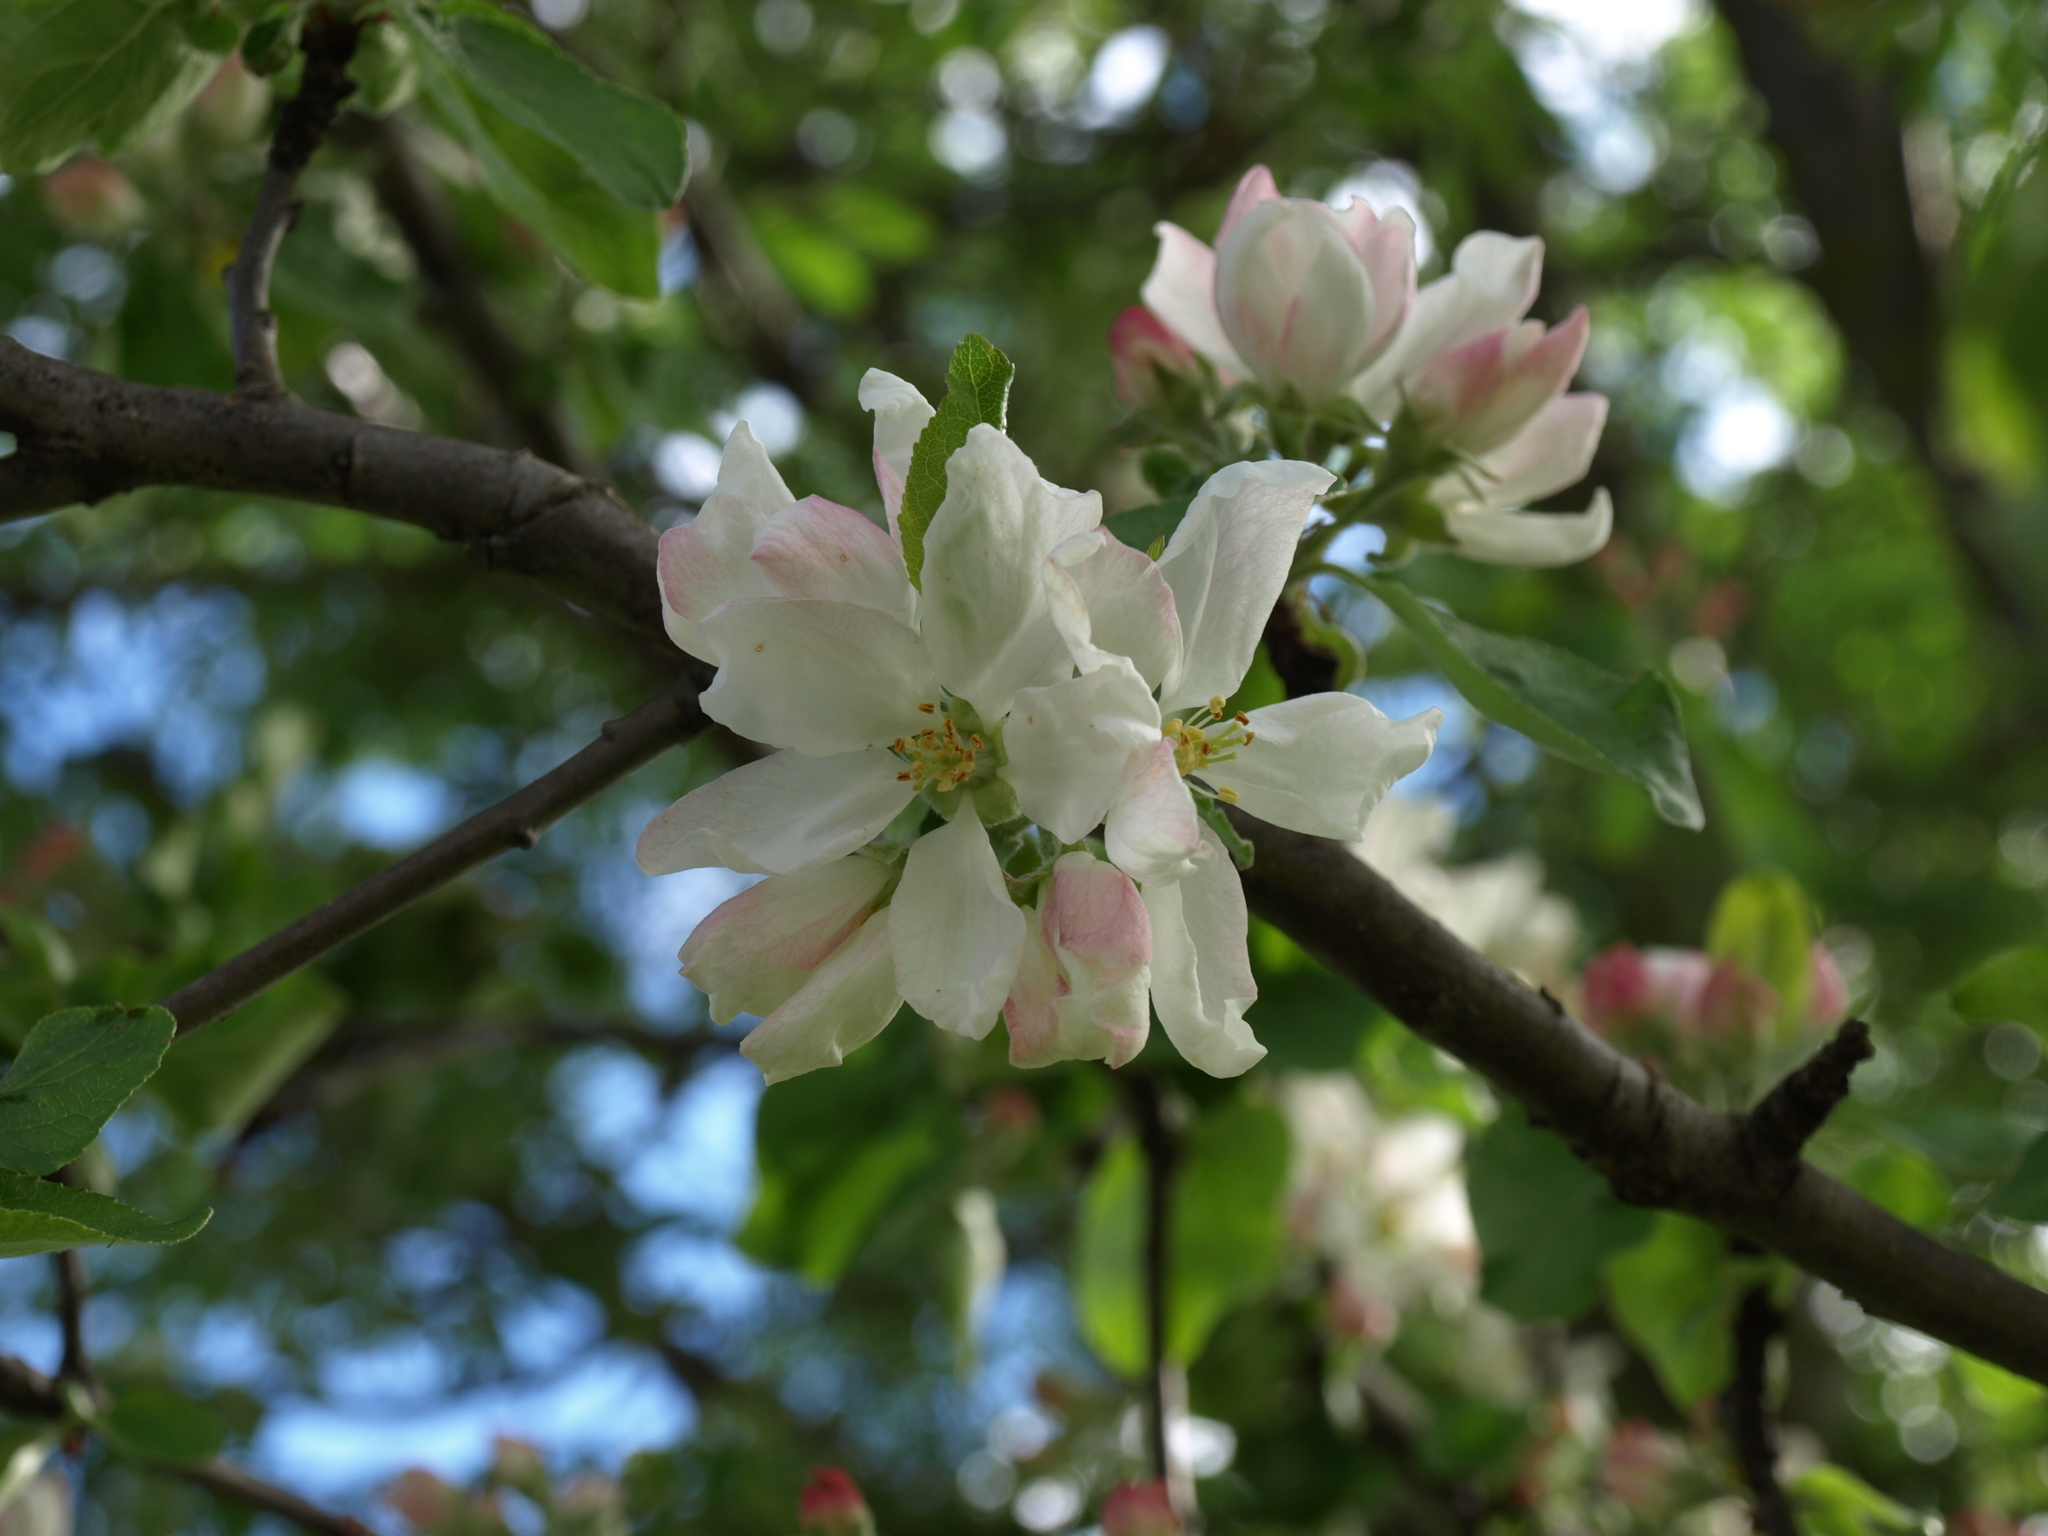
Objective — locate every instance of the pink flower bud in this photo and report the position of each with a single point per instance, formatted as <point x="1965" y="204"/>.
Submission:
<point x="424" y="1499"/>
<point x="1477" y="397"/>
<point x="1081" y="990"/>
<point x="1616" y="989"/>
<point x="831" y="1505"/>
<point x="1827" y="995"/>
<point x="1640" y="1464"/>
<point x="1733" y="1006"/>
<point x="1142" y="348"/>
<point x="91" y="196"/>
<point x="1139" y="1509"/>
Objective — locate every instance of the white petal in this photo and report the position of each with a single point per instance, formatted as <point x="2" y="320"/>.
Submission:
<point x="1108" y="598"/>
<point x="1182" y="292"/>
<point x="784" y="813"/>
<point x="1492" y="282"/>
<point x="817" y="548"/>
<point x="1070" y="746"/>
<point x="957" y="934"/>
<point x="1553" y="451"/>
<point x="900" y="417"/>
<point x="1294" y="298"/>
<point x="1534" y="539"/>
<point x="1201" y="975"/>
<point x="1152" y="832"/>
<point x="1319" y="764"/>
<point x="847" y="1002"/>
<point x="819" y="676"/>
<point x="755" y="952"/>
<point x="704" y="562"/>
<point x="1226" y="564"/>
<point x="984" y="609"/>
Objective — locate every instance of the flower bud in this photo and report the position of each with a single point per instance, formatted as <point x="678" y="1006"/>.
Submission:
<point x="831" y="1505"/>
<point x="1294" y="298"/>
<point x="1640" y="1466"/>
<point x="1475" y="398"/>
<point x="1145" y="352"/>
<point x="1139" y="1509"/>
<point x="426" y="1502"/>
<point x="1827" y="995"/>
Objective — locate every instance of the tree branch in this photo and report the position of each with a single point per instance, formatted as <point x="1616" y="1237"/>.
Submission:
<point x="514" y="822"/>
<point x="328" y="44"/>
<point x="1156" y="1142"/>
<point x="1654" y="1145"/>
<point x="26" y="1390"/>
<point x="72" y="1290"/>
<point x="82" y="436"/>
<point x="1785" y="1121"/>
<point x="1746" y="1410"/>
<point x="456" y="303"/>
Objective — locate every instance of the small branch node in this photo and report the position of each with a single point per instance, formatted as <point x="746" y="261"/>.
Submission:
<point x="1785" y="1121"/>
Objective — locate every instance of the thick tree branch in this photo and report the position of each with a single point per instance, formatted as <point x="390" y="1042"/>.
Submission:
<point x="27" y="1391"/>
<point x="84" y="436"/>
<point x="455" y="300"/>
<point x="328" y="43"/>
<point x="514" y="822"/>
<point x="1655" y="1146"/>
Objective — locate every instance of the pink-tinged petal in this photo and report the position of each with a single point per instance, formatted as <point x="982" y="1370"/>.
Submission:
<point x="900" y="417"/>
<point x="1142" y="347"/>
<point x="817" y="548"/>
<point x="819" y="676"/>
<point x="1294" y="298"/>
<point x="1226" y="564"/>
<point x="1111" y="600"/>
<point x="1827" y="996"/>
<point x="1491" y="284"/>
<point x="704" y="562"/>
<point x="1070" y="746"/>
<point x="1139" y="1509"/>
<point x="985" y="617"/>
<point x="779" y="815"/>
<point x="755" y="952"/>
<point x="1152" y="832"/>
<point x="1201" y="974"/>
<point x="1733" y="1005"/>
<point x="1615" y="991"/>
<point x="1320" y="763"/>
<point x="1182" y="292"/>
<point x="1256" y="186"/>
<point x="957" y="935"/>
<point x="1389" y="257"/>
<point x="1457" y="384"/>
<point x="1028" y="1012"/>
<point x="848" y="1001"/>
<point x="1535" y="367"/>
<point x="1678" y="983"/>
<point x="1093" y="914"/>
<point x="1533" y="540"/>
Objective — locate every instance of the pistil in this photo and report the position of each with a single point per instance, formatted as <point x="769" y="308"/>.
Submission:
<point x="937" y="758"/>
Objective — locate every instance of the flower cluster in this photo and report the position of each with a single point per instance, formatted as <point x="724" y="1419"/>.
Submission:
<point x="1316" y="310"/>
<point x="995" y="789"/>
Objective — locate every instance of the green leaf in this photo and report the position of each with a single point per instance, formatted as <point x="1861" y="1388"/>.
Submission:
<point x="103" y="72"/>
<point x="40" y="1217"/>
<point x="216" y="1079"/>
<point x="1566" y="706"/>
<point x="1546" y="1221"/>
<point x="1674" y="1298"/>
<point x="1763" y="923"/>
<point x="977" y="393"/>
<point x="1224" y="1235"/>
<point x="547" y="189"/>
<point x="73" y="1071"/>
<point x="634" y="147"/>
<point x="2009" y="986"/>
<point x="156" y="1424"/>
<point x="2024" y="1195"/>
<point x="1904" y="1183"/>
<point x="1142" y="527"/>
<point x="1835" y="1502"/>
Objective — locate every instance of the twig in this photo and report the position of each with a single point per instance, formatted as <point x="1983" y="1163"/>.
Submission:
<point x="1746" y="1411"/>
<point x="1652" y="1143"/>
<point x="1785" y="1121"/>
<point x="26" y="1390"/>
<point x="456" y="301"/>
<point x="328" y="43"/>
<point x="514" y="822"/>
<point x="1156" y="1142"/>
<point x="72" y="1291"/>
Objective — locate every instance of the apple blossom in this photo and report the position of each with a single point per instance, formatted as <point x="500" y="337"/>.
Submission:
<point x="1083" y="983"/>
<point x="1143" y="351"/>
<point x="1294" y="294"/>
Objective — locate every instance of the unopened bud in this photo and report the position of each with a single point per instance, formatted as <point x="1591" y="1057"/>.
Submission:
<point x="1139" y="1509"/>
<point x="831" y="1505"/>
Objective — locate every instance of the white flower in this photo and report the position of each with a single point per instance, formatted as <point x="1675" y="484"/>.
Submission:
<point x="1294" y="294"/>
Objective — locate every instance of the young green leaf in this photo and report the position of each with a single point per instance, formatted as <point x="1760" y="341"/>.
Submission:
<point x="547" y="189"/>
<point x="155" y="1424"/>
<point x="1674" y="1297"/>
<point x="216" y="1079"/>
<point x="1546" y="1222"/>
<point x="633" y="146"/>
<point x="1566" y="706"/>
<point x="2024" y="1195"/>
<point x="73" y="1071"/>
<point x="103" y="72"/>
<point x="37" y="1216"/>
<point x="1109" y="1259"/>
<point x="1149" y="525"/>
<point x="1764" y="924"/>
<point x="977" y="393"/>
<point x="2009" y="986"/>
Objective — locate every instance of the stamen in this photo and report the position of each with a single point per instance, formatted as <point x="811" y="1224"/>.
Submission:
<point x="928" y="709"/>
<point x="1226" y="794"/>
<point x="1216" y="706"/>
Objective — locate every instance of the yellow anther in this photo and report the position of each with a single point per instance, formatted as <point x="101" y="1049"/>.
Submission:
<point x="928" y="709"/>
<point x="1226" y="794"/>
<point x="1216" y="705"/>
<point x="1242" y="718"/>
